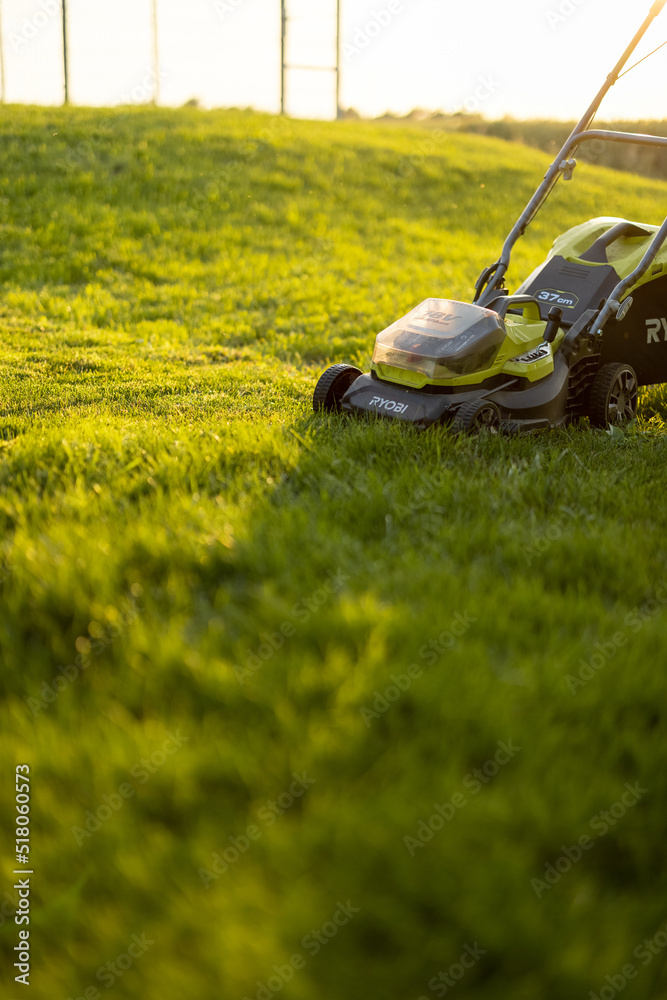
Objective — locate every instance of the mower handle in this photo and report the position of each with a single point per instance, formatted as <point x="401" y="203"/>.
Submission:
<point x="508" y="302"/>
<point x="614" y="305"/>
<point x="491" y="280"/>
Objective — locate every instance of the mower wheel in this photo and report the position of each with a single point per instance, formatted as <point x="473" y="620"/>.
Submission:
<point x="332" y="386"/>
<point x="613" y="396"/>
<point x="477" y="415"/>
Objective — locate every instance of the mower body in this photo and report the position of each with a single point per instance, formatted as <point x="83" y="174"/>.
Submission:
<point x="577" y="337"/>
<point x="444" y="353"/>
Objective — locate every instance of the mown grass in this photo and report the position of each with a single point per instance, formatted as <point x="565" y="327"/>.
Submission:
<point x="171" y="510"/>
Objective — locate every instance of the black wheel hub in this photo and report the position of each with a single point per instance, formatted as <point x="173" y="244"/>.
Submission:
<point x="622" y="403"/>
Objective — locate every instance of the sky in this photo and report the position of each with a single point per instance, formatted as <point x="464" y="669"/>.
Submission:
<point x="522" y="58"/>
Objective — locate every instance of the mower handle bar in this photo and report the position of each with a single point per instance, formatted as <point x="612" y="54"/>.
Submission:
<point x="613" y="306"/>
<point x="491" y="279"/>
<point x="508" y="302"/>
<point x="562" y="165"/>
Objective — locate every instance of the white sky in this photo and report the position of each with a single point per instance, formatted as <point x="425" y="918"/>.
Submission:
<point x="526" y="58"/>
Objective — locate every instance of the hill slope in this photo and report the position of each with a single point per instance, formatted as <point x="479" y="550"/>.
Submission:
<point x="316" y="709"/>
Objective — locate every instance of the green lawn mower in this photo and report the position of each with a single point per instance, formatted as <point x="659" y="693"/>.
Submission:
<point x="576" y="339"/>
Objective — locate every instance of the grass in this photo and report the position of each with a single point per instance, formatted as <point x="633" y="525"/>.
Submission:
<point x="207" y="590"/>
<point x="551" y="135"/>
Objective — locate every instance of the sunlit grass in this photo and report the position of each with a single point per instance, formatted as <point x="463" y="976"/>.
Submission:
<point x="172" y="514"/>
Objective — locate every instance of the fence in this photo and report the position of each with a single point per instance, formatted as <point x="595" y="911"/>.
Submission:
<point x="103" y="52"/>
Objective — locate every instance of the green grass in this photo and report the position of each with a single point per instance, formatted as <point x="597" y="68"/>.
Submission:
<point x="551" y="135"/>
<point x="171" y="510"/>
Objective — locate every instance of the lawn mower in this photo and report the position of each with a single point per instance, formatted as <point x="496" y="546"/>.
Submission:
<point x="576" y="339"/>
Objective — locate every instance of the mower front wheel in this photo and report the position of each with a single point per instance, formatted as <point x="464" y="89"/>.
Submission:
<point x="475" y="416"/>
<point x="332" y="386"/>
<point x="613" y="396"/>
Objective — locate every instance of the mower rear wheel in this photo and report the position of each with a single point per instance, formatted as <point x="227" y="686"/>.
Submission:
<point x="477" y="415"/>
<point x="332" y="386"/>
<point x="613" y="397"/>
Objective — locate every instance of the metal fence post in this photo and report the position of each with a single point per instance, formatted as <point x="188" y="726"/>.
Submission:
<point x="65" y="69"/>
<point x="339" y="110"/>
<point x="283" y="22"/>
<point x="2" y="60"/>
<point x="156" y="56"/>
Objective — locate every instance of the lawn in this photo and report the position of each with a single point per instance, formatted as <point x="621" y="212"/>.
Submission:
<point x="312" y="708"/>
